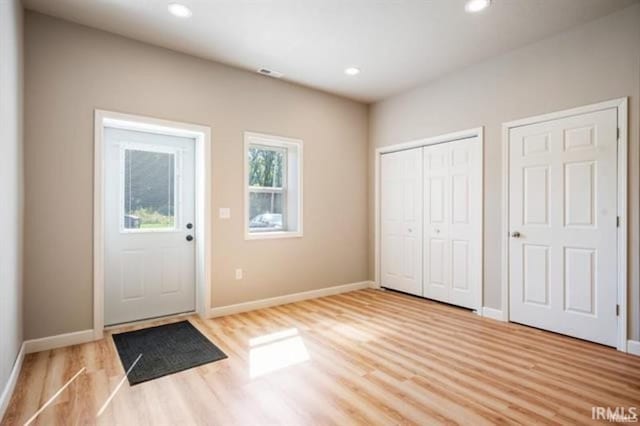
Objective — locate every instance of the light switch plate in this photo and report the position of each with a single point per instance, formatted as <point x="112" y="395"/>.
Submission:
<point x="224" y="213"/>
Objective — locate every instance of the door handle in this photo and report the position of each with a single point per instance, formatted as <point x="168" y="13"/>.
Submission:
<point x="189" y="237"/>
<point x="189" y="225"/>
<point x="515" y="234"/>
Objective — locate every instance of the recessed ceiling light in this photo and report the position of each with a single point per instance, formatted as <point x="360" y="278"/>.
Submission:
<point x="352" y="71"/>
<point x="474" y="6"/>
<point x="179" y="10"/>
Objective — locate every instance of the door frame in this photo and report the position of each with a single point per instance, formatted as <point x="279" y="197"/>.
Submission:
<point x="621" y="105"/>
<point x="203" y="208"/>
<point x="419" y="143"/>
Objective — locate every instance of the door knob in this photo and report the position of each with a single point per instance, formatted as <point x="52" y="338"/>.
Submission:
<point x="189" y="237"/>
<point x="189" y="225"/>
<point x="515" y="234"/>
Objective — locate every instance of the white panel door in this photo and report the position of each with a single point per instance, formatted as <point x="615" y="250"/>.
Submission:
<point x="401" y="220"/>
<point x="562" y="216"/>
<point x="453" y="222"/>
<point x="149" y="225"/>
<point x="437" y="216"/>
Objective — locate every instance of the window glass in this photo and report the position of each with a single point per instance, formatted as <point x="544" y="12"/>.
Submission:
<point x="266" y="166"/>
<point x="149" y="190"/>
<point x="267" y="188"/>
<point x="266" y="211"/>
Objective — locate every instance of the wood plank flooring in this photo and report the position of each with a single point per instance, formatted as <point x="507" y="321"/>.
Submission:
<point x="366" y="357"/>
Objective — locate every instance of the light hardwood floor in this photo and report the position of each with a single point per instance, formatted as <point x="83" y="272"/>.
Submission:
<point x="373" y="358"/>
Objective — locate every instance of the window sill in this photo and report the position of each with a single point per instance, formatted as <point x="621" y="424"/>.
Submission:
<point x="272" y="235"/>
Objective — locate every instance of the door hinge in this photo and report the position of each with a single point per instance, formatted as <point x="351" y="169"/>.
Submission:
<point x="617" y="310"/>
<point x="618" y="133"/>
<point x="617" y="221"/>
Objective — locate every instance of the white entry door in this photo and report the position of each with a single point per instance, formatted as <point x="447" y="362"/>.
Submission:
<point x="562" y="218"/>
<point x="401" y="220"/>
<point x="453" y="222"/>
<point x="149" y="212"/>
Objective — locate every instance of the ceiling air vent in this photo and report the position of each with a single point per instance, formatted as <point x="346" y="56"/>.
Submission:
<point x="270" y="73"/>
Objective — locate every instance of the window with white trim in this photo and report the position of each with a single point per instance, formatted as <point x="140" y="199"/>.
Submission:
<point x="273" y="186"/>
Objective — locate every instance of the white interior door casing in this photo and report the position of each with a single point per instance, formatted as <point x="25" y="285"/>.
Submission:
<point x="149" y="267"/>
<point x="401" y="220"/>
<point x="453" y="222"/>
<point x="562" y="218"/>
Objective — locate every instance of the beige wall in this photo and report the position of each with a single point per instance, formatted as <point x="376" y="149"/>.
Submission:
<point x="70" y="70"/>
<point x="592" y="63"/>
<point x="10" y="186"/>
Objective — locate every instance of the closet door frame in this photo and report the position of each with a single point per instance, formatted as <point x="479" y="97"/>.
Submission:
<point x="477" y="132"/>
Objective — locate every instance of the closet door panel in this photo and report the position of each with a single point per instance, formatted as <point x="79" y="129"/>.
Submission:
<point x="401" y="220"/>
<point x="464" y="228"/>
<point x="437" y="274"/>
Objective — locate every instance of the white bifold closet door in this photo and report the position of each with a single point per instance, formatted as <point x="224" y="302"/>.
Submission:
<point x="453" y="222"/>
<point x="401" y="221"/>
<point x="431" y="221"/>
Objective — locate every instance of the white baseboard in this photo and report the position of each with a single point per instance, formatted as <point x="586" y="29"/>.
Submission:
<point x="10" y="386"/>
<point x="288" y="298"/>
<point x="492" y="313"/>
<point x="58" y="341"/>
<point x="633" y="347"/>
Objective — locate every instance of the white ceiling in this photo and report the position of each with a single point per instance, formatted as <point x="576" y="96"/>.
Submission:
<point x="396" y="43"/>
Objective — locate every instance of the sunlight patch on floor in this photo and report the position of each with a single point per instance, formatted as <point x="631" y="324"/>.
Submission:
<point x="276" y="351"/>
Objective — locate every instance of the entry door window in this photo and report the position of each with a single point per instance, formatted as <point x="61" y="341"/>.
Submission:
<point x="149" y="190"/>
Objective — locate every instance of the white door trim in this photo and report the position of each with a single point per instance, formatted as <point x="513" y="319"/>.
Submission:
<point x="449" y="137"/>
<point x="202" y="136"/>
<point x="621" y="106"/>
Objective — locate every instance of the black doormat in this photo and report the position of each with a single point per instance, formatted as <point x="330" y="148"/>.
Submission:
<point x="165" y="349"/>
